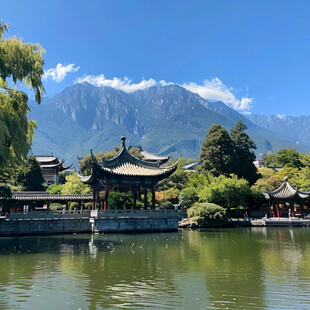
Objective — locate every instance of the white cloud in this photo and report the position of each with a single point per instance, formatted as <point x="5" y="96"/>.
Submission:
<point x="59" y="73"/>
<point x="210" y="89"/>
<point x="216" y="90"/>
<point x="124" y="84"/>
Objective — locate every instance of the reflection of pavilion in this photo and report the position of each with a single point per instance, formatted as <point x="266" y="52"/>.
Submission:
<point x="286" y="193"/>
<point x="126" y="172"/>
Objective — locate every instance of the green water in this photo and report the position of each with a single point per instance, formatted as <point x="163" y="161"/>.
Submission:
<point x="254" y="268"/>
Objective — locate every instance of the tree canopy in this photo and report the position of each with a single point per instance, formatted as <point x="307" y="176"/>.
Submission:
<point x="243" y="153"/>
<point x="216" y="153"/>
<point x="74" y="185"/>
<point x="20" y="63"/>
<point x="29" y="175"/>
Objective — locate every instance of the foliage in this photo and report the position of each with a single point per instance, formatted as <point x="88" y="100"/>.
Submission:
<point x="74" y="185"/>
<point x="243" y="154"/>
<point x="228" y="192"/>
<point x="177" y="180"/>
<point x="120" y="200"/>
<point x="20" y="63"/>
<point x="188" y="197"/>
<point x="5" y="191"/>
<point x="29" y="175"/>
<point x="74" y="205"/>
<point x="54" y="189"/>
<point x="167" y="205"/>
<point x="287" y="157"/>
<point x="271" y="160"/>
<point x="216" y="153"/>
<point x="207" y="212"/>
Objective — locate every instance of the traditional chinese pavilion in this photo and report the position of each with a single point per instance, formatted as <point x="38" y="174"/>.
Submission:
<point x="50" y="166"/>
<point x="126" y="172"/>
<point x="286" y="193"/>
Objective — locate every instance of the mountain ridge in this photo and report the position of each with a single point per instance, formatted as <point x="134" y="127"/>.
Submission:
<point x="166" y="119"/>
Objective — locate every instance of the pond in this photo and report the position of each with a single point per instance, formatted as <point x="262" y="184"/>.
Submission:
<point x="245" y="268"/>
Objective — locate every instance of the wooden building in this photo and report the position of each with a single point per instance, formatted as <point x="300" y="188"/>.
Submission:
<point x="125" y="172"/>
<point x="285" y="198"/>
<point x="50" y="167"/>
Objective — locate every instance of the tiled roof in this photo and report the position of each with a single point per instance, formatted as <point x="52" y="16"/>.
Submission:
<point x="286" y="191"/>
<point x="150" y="156"/>
<point x="45" y="159"/>
<point x="126" y="165"/>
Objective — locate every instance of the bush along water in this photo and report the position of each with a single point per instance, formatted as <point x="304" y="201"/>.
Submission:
<point x="207" y="214"/>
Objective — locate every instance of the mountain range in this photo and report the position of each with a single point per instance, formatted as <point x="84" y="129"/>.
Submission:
<point x="163" y="120"/>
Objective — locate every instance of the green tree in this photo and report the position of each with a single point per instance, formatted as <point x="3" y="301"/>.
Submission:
<point x="20" y="63"/>
<point x="188" y="197"/>
<point x="216" y="153"/>
<point x="228" y="192"/>
<point x="243" y="153"/>
<point x="74" y="185"/>
<point x="271" y="160"/>
<point x="290" y="158"/>
<point x="120" y="200"/>
<point x="29" y="176"/>
<point x="54" y="189"/>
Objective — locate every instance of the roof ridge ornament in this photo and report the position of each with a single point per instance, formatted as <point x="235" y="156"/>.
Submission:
<point x="123" y="138"/>
<point x="285" y="179"/>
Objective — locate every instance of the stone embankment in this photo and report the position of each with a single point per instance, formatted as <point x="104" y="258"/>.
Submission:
<point x="240" y="222"/>
<point x="97" y="221"/>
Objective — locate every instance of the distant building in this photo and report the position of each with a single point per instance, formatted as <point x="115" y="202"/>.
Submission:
<point x="50" y="166"/>
<point x="153" y="158"/>
<point x="190" y="167"/>
<point x="259" y="162"/>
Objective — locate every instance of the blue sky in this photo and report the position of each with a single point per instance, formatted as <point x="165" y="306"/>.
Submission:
<point x="253" y="55"/>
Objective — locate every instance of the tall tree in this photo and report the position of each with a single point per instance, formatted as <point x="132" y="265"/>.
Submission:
<point x="243" y="153"/>
<point x="20" y="63"/>
<point x="30" y="175"/>
<point x="216" y="153"/>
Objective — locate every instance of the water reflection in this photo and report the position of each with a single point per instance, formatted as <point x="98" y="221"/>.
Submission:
<point x="218" y="269"/>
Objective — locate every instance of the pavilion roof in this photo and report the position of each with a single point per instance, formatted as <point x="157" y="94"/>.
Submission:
<point x="286" y="191"/>
<point x="153" y="157"/>
<point x="124" y="165"/>
<point x="51" y="162"/>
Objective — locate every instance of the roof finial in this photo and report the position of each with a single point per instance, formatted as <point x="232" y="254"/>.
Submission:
<point x="123" y="141"/>
<point x="285" y="179"/>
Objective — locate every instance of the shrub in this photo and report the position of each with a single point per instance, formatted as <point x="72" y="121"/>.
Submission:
<point x="74" y="205"/>
<point x="120" y="200"/>
<point x="167" y="205"/>
<point x="207" y="213"/>
<point x="88" y="205"/>
<point x="188" y="197"/>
